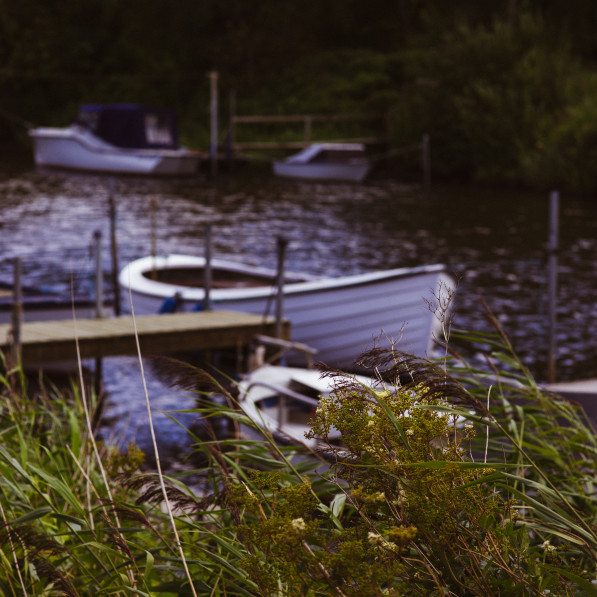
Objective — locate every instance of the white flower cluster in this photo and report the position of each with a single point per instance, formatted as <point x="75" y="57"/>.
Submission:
<point x="548" y="547"/>
<point x="298" y="524"/>
<point x="378" y="541"/>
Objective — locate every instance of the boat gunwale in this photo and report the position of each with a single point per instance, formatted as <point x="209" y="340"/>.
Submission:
<point x="151" y="288"/>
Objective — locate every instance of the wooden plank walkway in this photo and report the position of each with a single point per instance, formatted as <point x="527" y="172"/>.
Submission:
<point x="51" y="341"/>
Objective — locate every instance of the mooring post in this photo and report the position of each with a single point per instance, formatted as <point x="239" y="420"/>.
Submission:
<point x="426" y="158"/>
<point x="554" y="204"/>
<point x="99" y="283"/>
<point x="308" y="127"/>
<point x="114" y="249"/>
<point x="231" y="128"/>
<point x="282" y="244"/>
<point x="99" y="300"/>
<point x="207" y="270"/>
<point x="213" y="110"/>
<point x="17" y="310"/>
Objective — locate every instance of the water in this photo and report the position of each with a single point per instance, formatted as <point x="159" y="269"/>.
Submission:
<point x="493" y="240"/>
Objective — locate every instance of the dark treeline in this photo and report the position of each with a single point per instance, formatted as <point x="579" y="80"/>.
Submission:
<point x="506" y="89"/>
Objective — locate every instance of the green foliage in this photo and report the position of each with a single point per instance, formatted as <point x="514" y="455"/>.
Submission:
<point x="505" y="90"/>
<point x="449" y="480"/>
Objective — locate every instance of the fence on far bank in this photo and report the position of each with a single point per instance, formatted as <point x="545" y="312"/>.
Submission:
<point x="377" y="122"/>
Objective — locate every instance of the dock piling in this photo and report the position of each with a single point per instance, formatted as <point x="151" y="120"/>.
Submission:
<point x="17" y="311"/>
<point x="282" y="244"/>
<point x="554" y="202"/>
<point x="99" y="282"/>
<point x="207" y="270"/>
<point x="114" y="249"/>
<point x="213" y="110"/>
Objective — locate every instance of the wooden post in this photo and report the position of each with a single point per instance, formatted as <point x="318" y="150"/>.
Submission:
<point x="114" y="250"/>
<point x="99" y="282"/>
<point x="426" y="158"/>
<point x="554" y="200"/>
<point x="213" y="111"/>
<point x="153" y="235"/>
<point x="17" y="311"/>
<point x="152" y="224"/>
<point x="282" y="244"/>
<point x="207" y="270"/>
<point x="308" y="126"/>
<point x="231" y="128"/>
<point x="99" y="300"/>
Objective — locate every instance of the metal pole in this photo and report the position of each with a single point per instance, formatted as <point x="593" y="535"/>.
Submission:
<point x="99" y="285"/>
<point x="282" y="244"/>
<point x="213" y="110"/>
<point x="207" y="270"/>
<point x="17" y="310"/>
<point x="554" y="200"/>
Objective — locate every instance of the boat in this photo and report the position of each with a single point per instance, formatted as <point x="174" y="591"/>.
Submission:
<point x="326" y="161"/>
<point x="282" y="401"/>
<point x="116" y="138"/>
<point x="339" y="317"/>
<point x="39" y="304"/>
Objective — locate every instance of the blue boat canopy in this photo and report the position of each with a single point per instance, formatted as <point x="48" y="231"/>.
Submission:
<point x="131" y="126"/>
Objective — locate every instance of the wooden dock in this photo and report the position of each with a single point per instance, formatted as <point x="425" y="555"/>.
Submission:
<point x="51" y="341"/>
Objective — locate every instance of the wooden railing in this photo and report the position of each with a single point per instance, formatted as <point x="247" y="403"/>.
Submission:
<point x="308" y="120"/>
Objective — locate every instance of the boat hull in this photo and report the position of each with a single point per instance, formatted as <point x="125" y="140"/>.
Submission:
<point x="51" y="308"/>
<point x="347" y="172"/>
<point x="75" y="148"/>
<point x="340" y="317"/>
<point x="326" y="161"/>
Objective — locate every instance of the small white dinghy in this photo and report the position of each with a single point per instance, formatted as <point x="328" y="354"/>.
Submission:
<point x="326" y="161"/>
<point x="282" y="400"/>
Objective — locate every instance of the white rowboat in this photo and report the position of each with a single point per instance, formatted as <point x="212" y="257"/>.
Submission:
<point x="339" y="317"/>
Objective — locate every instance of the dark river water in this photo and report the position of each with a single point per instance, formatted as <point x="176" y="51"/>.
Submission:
<point x="494" y="241"/>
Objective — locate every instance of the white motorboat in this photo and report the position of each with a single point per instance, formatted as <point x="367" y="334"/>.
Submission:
<point x="326" y="161"/>
<point x="339" y="317"/>
<point x="116" y="138"/>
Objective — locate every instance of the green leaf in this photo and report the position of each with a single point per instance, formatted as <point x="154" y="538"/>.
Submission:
<point x="149" y="561"/>
<point x="394" y="421"/>
<point x="33" y="515"/>
<point x="337" y="505"/>
<point x="586" y="585"/>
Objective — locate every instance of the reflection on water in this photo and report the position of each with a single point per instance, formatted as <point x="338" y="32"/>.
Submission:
<point x="493" y="241"/>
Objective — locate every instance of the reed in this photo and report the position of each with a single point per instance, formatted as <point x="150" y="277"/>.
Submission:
<point x="452" y="479"/>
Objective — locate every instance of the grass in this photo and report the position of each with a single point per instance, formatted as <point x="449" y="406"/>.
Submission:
<point x="464" y="480"/>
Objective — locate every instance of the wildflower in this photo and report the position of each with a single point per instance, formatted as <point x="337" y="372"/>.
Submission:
<point x="375" y="538"/>
<point x="368" y="498"/>
<point x="410" y="432"/>
<point x="378" y="541"/>
<point x="381" y="393"/>
<point x="548" y="547"/>
<point x="298" y="524"/>
<point x="402" y="535"/>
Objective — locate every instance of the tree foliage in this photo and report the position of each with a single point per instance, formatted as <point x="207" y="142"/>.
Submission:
<point x="500" y="87"/>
